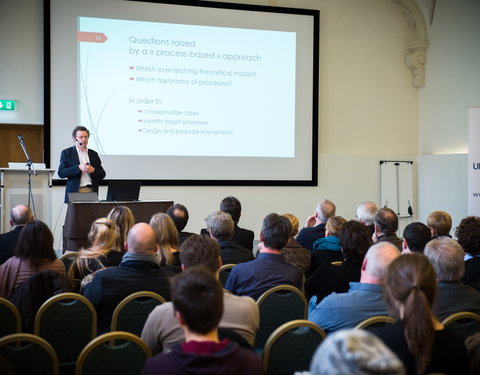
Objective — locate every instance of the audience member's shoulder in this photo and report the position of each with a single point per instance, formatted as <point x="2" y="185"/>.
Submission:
<point x="243" y="266"/>
<point x="162" y="309"/>
<point x="246" y="301"/>
<point x="246" y="232"/>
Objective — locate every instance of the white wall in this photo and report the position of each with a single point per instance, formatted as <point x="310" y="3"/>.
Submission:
<point x="368" y="110"/>
<point x="21" y="60"/>
<point x="452" y="84"/>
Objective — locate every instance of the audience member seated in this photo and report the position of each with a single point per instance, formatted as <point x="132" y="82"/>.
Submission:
<point x="354" y="352"/>
<point x="197" y="298"/>
<point x="385" y="222"/>
<point x="415" y="237"/>
<point x="243" y="237"/>
<point x="19" y="216"/>
<point x="439" y="223"/>
<point x="220" y="227"/>
<point x="365" y="213"/>
<point x="269" y="269"/>
<point x="330" y="242"/>
<point x="138" y="271"/>
<point x="33" y="253"/>
<point x="99" y="255"/>
<point x="179" y="214"/>
<point x="421" y="342"/>
<point x="240" y="314"/>
<point x="468" y="235"/>
<point x="314" y="227"/>
<point x="364" y="299"/>
<point x="167" y="239"/>
<point x="123" y="218"/>
<point x="446" y="257"/>
<point x="355" y="240"/>
<point x="327" y="249"/>
<point x="293" y="252"/>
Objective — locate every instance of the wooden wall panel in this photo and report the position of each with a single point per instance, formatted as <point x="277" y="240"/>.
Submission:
<point x="10" y="149"/>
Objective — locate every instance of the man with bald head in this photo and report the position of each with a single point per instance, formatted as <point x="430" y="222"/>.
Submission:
<point x="139" y="270"/>
<point x="364" y="299"/>
<point x="19" y="216"/>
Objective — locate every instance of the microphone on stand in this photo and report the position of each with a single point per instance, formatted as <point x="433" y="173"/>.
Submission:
<point x="409" y="209"/>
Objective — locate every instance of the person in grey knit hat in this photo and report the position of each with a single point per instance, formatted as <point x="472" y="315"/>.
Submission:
<point x="354" y="352"/>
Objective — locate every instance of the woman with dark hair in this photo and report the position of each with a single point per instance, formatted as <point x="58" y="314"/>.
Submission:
<point x="422" y="343"/>
<point x="99" y="255"/>
<point x="355" y="239"/>
<point x="123" y="218"/>
<point x="468" y="235"/>
<point x="33" y="253"/>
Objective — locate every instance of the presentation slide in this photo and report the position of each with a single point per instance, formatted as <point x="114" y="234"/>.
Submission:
<point x="185" y="93"/>
<point x="199" y="90"/>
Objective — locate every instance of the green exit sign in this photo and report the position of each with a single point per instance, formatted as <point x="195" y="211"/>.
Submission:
<point x="7" y="105"/>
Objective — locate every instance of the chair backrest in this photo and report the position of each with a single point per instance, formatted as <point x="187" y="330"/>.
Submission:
<point x="224" y="272"/>
<point x="291" y="346"/>
<point x="375" y="321"/>
<point x="10" y="320"/>
<point x="464" y="323"/>
<point x="113" y="353"/>
<point x="132" y="312"/>
<point x="68" y="258"/>
<point x="279" y="305"/>
<point x="29" y="354"/>
<point x="31" y="294"/>
<point x="68" y="321"/>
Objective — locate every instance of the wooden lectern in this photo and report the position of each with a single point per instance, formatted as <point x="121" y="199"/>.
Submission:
<point x="81" y="215"/>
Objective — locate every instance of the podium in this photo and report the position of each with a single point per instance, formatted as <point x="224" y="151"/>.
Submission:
<point x="14" y="191"/>
<point x="81" y="215"/>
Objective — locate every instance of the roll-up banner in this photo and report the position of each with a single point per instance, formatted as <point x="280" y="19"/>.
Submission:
<point x="474" y="160"/>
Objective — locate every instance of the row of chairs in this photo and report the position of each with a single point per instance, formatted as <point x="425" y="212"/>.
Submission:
<point x="129" y="315"/>
<point x="277" y="306"/>
<point x="289" y="348"/>
<point x="70" y="334"/>
<point x="110" y="353"/>
<point x="68" y="321"/>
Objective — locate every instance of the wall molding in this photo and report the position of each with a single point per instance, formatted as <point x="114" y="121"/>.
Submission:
<point x="417" y="47"/>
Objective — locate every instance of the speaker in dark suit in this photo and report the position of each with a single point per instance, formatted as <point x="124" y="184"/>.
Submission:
<point x="81" y="166"/>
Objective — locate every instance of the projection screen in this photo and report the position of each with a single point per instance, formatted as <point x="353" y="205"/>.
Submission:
<point x="199" y="93"/>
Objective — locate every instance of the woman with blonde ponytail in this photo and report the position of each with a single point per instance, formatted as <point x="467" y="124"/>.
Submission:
<point x="123" y="218"/>
<point x="99" y="255"/>
<point x="418" y="338"/>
